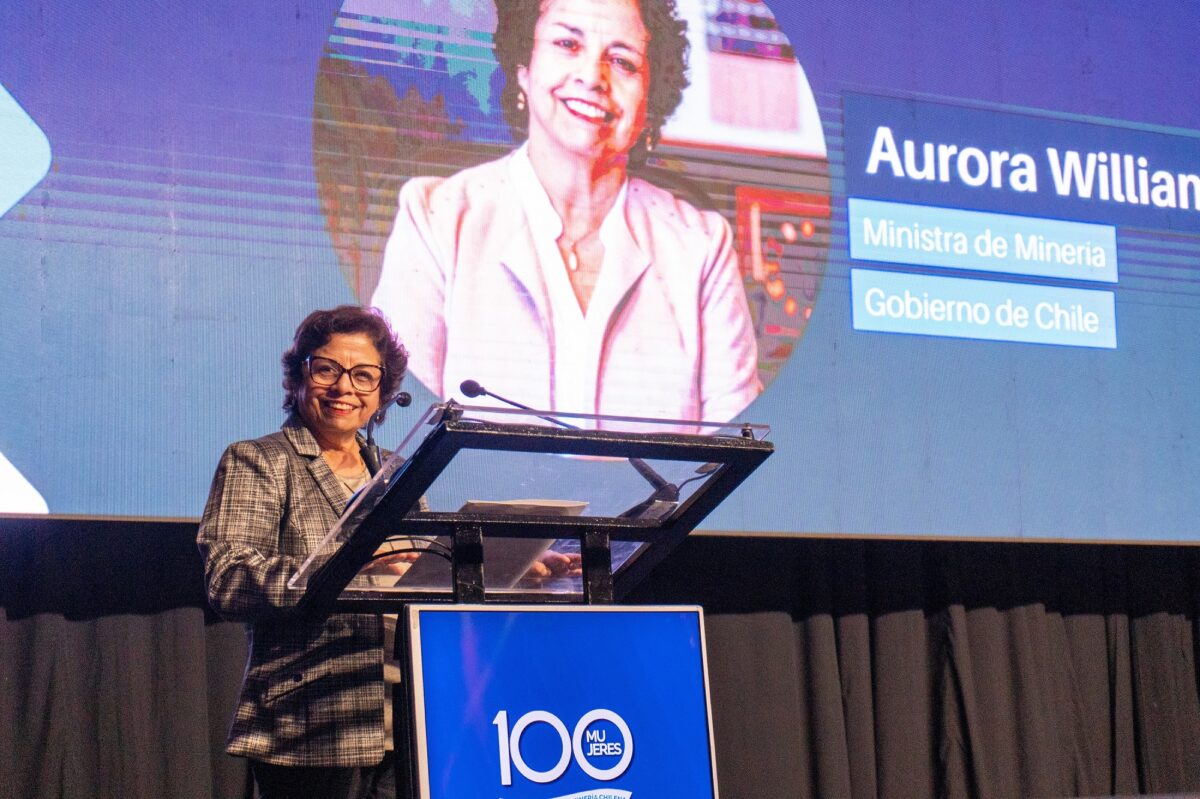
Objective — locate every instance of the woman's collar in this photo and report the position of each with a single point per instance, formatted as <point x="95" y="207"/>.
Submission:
<point x="545" y="221"/>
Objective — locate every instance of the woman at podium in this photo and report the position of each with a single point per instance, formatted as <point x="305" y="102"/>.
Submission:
<point x="311" y="712"/>
<point x="554" y="276"/>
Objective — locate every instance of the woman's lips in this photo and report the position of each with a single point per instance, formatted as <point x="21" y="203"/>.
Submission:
<point x="589" y="112"/>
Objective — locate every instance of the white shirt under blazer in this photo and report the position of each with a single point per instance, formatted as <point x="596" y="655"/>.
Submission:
<point x="474" y="285"/>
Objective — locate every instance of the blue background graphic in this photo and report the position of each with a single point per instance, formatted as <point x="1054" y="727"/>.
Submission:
<point x="150" y="282"/>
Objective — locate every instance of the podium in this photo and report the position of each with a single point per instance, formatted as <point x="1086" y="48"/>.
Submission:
<point x="482" y="496"/>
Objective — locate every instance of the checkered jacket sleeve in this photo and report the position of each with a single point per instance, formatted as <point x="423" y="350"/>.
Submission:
<point x="248" y="555"/>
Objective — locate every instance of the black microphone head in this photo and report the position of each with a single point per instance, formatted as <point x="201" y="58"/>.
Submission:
<point x="403" y="399"/>
<point x="471" y="389"/>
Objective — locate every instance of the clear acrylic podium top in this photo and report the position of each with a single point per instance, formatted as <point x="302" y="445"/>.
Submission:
<point x="533" y="482"/>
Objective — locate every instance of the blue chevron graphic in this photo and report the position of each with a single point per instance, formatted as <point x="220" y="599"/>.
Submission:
<point x="24" y="152"/>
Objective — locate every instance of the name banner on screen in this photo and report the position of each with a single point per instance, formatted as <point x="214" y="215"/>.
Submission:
<point x="922" y="235"/>
<point x="946" y="155"/>
<point x="930" y="305"/>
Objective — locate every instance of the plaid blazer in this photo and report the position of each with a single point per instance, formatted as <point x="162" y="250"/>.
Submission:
<point x="312" y="694"/>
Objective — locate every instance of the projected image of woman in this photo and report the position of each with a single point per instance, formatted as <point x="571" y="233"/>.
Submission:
<point x="553" y="276"/>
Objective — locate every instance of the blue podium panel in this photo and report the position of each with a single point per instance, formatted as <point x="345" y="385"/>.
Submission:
<point x="536" y="702"/>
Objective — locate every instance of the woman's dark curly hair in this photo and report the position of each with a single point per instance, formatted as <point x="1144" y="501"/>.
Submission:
<point x="666" y="56"/>
<point x="316" y="330"/>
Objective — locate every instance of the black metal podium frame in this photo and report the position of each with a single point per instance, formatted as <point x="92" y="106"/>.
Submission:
<point x="732" y="459"/>
<point x="399" y="487"/>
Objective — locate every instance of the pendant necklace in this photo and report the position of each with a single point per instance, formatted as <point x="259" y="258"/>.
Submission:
<point x="572" y="254"/>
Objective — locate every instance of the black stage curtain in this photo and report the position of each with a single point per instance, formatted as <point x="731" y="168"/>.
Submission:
<point x="117" y="682"/>
<point x="849" y="668"/>
<point x="838" y="668"/>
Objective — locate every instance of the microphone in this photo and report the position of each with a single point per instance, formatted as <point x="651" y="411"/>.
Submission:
<point x="472" y="389"/>
<point x="663" y="489"/>
<point x="369" y="450"/>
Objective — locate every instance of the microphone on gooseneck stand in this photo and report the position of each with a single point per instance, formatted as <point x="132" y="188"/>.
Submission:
<point x="664" y="490"/>
<point x="370" y="450"/>
<point x="472" y="389"/>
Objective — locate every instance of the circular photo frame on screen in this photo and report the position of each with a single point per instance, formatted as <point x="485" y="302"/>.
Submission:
<point x="588" y="205"/>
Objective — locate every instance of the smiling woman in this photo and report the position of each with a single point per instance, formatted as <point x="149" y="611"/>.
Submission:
<point x="648" y="36"/>
<point x="311" y="715"/>
<point x="551" y="274"/>
<point x="570" y="117"/>
<point x="336" y="401"/>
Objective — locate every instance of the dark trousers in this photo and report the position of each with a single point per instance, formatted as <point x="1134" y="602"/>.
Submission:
<point x="315" y="782"/>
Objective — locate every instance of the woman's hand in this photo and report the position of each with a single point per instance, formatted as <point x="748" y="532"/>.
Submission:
<point x="393" y="563"/>
<point x="555" y="564"/>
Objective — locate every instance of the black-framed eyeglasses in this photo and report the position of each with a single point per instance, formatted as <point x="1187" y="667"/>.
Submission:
<point x="326" y="372"/>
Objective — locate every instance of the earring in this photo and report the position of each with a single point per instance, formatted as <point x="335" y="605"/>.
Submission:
<point x="520" y="101"/>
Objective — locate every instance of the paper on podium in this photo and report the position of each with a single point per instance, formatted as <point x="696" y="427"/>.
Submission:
<point x="525" y="507"/>
<point x="506" y="560"/>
